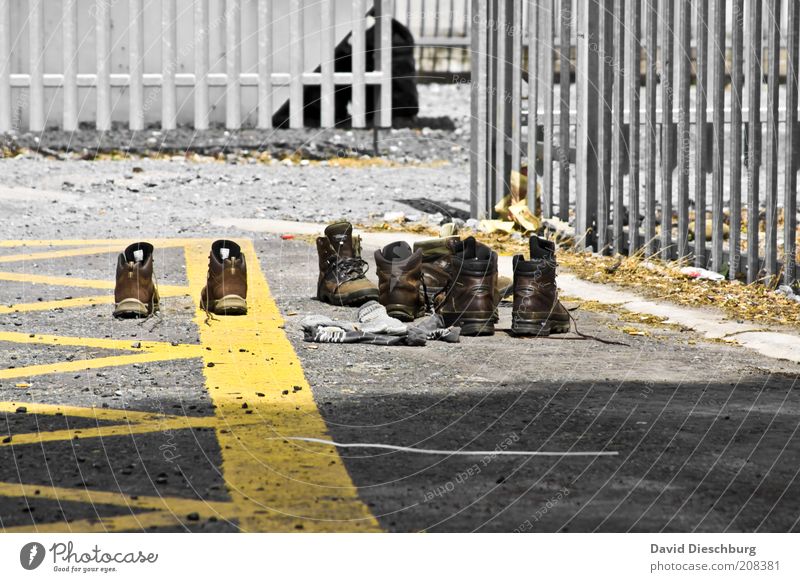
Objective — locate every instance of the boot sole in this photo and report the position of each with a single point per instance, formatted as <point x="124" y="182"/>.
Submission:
<point x="538" y="327"/>
<point x="133" y="309"/>
<point x="354" y="299"/>
<point x="229" y="305"/>
<point x="402" y="313"/>
<point x="471" y="324"/>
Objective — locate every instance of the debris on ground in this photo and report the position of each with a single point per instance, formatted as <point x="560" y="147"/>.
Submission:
<point x="705" y="274"/>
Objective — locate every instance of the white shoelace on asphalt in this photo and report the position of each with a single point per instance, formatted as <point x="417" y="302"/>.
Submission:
<point x="449" y="453"/>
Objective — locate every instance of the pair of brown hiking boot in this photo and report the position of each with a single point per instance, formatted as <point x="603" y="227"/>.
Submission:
<point x="225" y="293"/>
<point x="461" y="278"/>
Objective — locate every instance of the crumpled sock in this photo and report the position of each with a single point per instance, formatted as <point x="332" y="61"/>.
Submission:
<point x="373" y="319"/>
<point x="433" y="328"/>
<point x="336" y="335"/>
<point x="312" y="321"/>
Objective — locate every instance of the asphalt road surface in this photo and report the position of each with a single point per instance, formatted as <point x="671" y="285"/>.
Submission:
<point x="172" y="424"/>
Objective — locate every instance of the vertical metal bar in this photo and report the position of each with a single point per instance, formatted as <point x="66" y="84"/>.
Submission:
<point x="201" y="34"/>
<point x="534" y="71"/>
<point x="383" y="23"/>
<point x="737" y="83"/>
<point x="327" y="47"/>
<point x="5" y="65"/>
<point x="36" y="60"/>
<point x="515" y="31"/>
<point x="667" y="138"/>
<point x="684" y="124"/>
<point x="651" y="81"/>
<point x="479" y="106"/>
<point x="547" y="89"/>
<point x="103" y="57"/>
<point x="774" y="48"/>
<point x="565" y="46"/>
<point x="619" y="144"/>
<point x="69" y="56"/>
<point x="719" y="135"/>
<point x="233" y="88"/>
<point x="296" y="64"/>
<point x="586" y="162"/>
<point x="264" y="64"/>
<point x="701" y="102"/>
<point x="503" y="107"/>
<point x="169" y="58"/>
<point x="358" y="42"/>
<point x="790" y="186"/>
<point x="753" y="138"/>
<point x="492" y="90"/>
<point x="604" y="135"/>
<point x="136" y="65"/>
<point x="634" y="18"/>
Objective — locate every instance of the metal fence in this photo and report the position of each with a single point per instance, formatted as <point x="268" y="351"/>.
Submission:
<point x="63" y="62"/>
<point x="675" y="107"/>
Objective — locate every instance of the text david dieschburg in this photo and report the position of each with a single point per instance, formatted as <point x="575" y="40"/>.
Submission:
<point x="702" y="549"/>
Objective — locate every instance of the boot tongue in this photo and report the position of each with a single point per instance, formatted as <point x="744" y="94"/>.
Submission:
<point x="340" y="236"/>
<point x="541" y="248"/>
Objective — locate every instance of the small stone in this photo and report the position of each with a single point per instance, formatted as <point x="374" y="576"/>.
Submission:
<point x="21" y="410"/>
<point x="210" y="365"/>
<point x="7" y="439"/>
<point x="136" y="345"/>
<point x="194" y="516"/>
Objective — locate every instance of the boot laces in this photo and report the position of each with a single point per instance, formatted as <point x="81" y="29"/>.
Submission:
<point x="348" y="269"/>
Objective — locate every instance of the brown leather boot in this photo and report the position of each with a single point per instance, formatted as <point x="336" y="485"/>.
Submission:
<point x="537" y="310"/>
<point x="437" y="256"/>
<point x="135" y="292"/>
<point x="225" y="292"/>
<point x="470" y="300"/>
<point x="400" y="281"/>
<point x="342" y="271"/>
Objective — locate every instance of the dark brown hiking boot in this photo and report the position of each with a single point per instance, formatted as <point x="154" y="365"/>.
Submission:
<point x="437" y="256"/>
<point x="342" y="271"/>
<point x="537" y="310"/>
<point x="225" y="292"/>
<point x="470" y="300"/>
<point x="400" y="281"/>
<point x="135" y="292"/>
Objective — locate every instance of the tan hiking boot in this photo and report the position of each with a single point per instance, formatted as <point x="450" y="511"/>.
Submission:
<point x="400" y="281"/>
<point x="225" y="292"/>
<point x="135" y="292"/>
<point x="537" y="310"/>
<point x="342" y="271"/>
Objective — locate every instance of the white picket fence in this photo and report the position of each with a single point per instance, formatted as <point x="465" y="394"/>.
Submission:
<point x="193" y="62"/>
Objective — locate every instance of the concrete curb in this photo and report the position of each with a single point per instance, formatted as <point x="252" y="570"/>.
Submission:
<point x="711" y="323"/>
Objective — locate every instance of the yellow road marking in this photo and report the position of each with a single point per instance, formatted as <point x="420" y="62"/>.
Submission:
<point x="93" y="364"/>
<point x="274" y="485"/>
<point x="111" y="430"/>
<point x="120" y="244"/>
<point x="137" y="522"/>
<point x="105" y="414"/>
<point x="179" y="505"/>
<point x="164" y="290"/>
<point x="47" y="255"/>
<point x="57" y="304"/>
<point x="93" y="342"/>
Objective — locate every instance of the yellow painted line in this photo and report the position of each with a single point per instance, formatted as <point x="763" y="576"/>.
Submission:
<point x="125" y="523"/>
<point x="274" y="485"/>
<point x="164" y="290"/>
<point x="47" y="255"/>
<point x="96" y="342"/>
<point x="180" y="505"/>
<point x="111" y="430"/>
<point x="93" y="364"/>
<point x="58" y="304"/>
<point x="110" y="414"/>
<point x="119" y="243"/>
